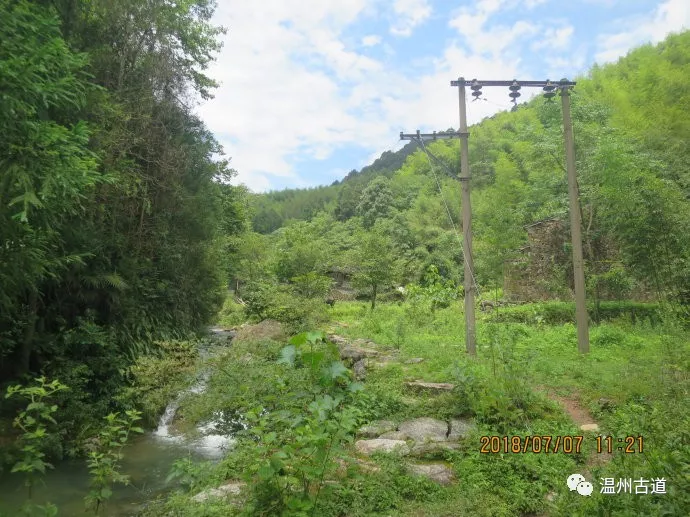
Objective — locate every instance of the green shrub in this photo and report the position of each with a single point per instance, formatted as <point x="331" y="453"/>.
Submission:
<point x="232" y="313"/>
<point x="158" y="377"/>
<point x="556" y="313"/>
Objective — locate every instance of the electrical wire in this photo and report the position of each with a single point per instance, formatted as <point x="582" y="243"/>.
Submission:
<point x="450" y="217"/>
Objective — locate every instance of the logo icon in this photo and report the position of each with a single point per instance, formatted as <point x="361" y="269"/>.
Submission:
<point x="577" y="482"/>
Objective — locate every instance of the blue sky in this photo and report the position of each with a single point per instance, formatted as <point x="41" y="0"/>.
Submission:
<point x="311" y="89"/>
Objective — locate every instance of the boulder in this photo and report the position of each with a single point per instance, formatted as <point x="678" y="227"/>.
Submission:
<point x="368" y="447"/>
<point x="233" y="488"/>
<point x="359" y="370"/>
<point x="439" y="472"/>
<point x="424" y="430"/>
<point x="394" y="435"/>
<point x="435" y="450"/>
<point x="430" y="387"/>
<point x="354" y="351"/>
<point x="459" y="429"/>
<point x="267" y="329"/>
<point x="338" y="340"/>
<point x="376" y="428"/>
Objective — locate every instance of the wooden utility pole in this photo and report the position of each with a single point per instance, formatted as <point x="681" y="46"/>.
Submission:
<point x="549" y="88"/>
<point x="466" y="215"/>
<point x="470" y="338"/>
<point x="575" y="226"/>
<point x="465" y="176"/>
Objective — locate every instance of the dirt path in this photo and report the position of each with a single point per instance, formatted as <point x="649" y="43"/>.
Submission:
<point x="581" y="416"/>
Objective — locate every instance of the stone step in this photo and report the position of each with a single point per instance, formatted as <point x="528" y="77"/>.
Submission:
<point x="430" y="387"/>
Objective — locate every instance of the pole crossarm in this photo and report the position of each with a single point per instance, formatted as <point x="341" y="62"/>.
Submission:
<point x="436" y="135"/>
<point x="536" y="84"/>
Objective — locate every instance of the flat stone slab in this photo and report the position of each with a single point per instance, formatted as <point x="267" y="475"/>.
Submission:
<point x="459" y="429"/>
<point x="435" y="450"/>
<point x="415" y="360"/>
<point x="368" y="466"/>
<point x="376" y="428"/>
<point x="432" y="387"/>
<point x="368" y="447"/>
<point x="394" y="435"/>
<point x="589" y="427"/>
<point x="439" y="472"/>
<point x="424" y="430"/>
<point x="233" y="488"/>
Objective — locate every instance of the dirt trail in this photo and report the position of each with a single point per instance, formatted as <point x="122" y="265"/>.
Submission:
<point x="581" y="416"/>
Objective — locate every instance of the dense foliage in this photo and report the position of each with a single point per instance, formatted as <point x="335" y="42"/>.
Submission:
<point x="113" y="214"/>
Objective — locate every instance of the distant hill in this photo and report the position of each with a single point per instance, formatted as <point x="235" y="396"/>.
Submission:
<point x="273" y="209"/>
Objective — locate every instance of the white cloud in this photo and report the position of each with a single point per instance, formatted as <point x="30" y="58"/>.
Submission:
<point x="409" y="14"/>
<point x="531" y="4"/>
<point x="555" y="38"/>
<point x="296" y="85"/>
<point x="670" y="16"/>
<point x="491" y="40"/>
<point x="371" y="40"/>
<point x="280" y="72"/>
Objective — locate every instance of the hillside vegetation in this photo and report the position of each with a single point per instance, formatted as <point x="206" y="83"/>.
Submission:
<point x="632" y="158"/>
<point x="122" y="240"/>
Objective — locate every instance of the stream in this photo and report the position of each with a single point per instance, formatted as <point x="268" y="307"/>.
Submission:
<point x="147" y="460"/>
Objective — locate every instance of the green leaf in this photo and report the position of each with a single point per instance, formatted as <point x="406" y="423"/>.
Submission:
<point x="313" y="359"/>
<point x="299" y="339"/>
<point x="313" y="337"/>
<point x="335" y="370"/>
<point x="354" y="387"/>
<point x="265" y="472"/>
<point x="288" y="355"/>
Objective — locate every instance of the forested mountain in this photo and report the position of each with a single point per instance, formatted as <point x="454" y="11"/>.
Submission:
<point x="272" y="210"/>
<point x="631" y="144"/>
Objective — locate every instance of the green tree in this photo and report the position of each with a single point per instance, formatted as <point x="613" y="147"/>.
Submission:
<point x="375" y="202"/>
<point x="47" y="171"/>
<point x="374" y="261"/>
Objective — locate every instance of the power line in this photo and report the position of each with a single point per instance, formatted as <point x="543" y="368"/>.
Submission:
<point x="549" y="88"/>
<point x="469" y="282"/>
<point x="450" y="216"/>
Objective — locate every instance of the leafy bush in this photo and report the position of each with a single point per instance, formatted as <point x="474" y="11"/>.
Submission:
<point x="282" y="303"/>
<point x="434" y="291"/>
<point x="157" y="378"/>
<point x="296" y="446"/>
<point x="34" y="421"/>
<point x="105" y="456"/>
<point x="555" y="313"/>
<point x="232" y="313"/>
<point x="311" y="285"/>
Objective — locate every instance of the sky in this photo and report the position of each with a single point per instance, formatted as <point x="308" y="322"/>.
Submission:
<point x="311" y="89"/>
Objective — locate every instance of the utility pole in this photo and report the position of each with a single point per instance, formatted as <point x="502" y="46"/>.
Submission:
<point x="466" y="216"/>
<point x="470" y="337"/>
<point x="575" y="228"/>
<point x="573" y="196"/>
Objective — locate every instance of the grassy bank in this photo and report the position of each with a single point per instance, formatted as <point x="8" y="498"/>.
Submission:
<point x="527" y="380"/>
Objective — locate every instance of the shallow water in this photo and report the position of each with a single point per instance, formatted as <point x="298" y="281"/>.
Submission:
<point x="147" y="460"/>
